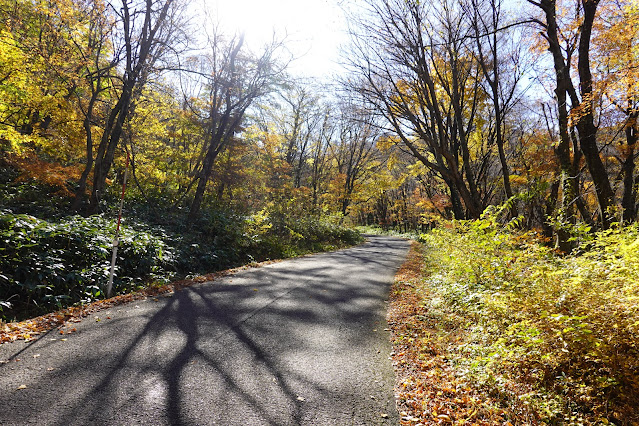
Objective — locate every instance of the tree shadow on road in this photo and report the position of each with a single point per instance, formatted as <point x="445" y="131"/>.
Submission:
<point x="272" y="346"/>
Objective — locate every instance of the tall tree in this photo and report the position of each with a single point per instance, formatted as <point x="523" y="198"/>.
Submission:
<point x="233" y="78"/>
<point x="96" y="71"/>
<point x="580" y="109"/>
<point x="320" y="159"/>
<point x="414" y="66"/>
<point x="354" y="151"/>
<point x="146" y="30"/>
<point x="615" y="59"/>
<point x="498" y="51"/>
<point x="297" y="122"/>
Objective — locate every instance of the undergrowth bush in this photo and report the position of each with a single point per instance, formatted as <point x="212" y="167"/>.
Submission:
<point x="377" y="230"/>
<point x="48" y="265"/>
<point x="274" y="236"/>
<point x="553" y="335"/>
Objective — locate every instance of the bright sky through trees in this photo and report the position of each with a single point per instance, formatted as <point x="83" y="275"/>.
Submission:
<point x="314" y="28"/>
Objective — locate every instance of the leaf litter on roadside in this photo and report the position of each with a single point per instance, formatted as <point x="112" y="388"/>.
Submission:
<point x="428" y="392"/>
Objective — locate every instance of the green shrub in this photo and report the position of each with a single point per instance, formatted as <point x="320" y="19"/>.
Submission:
<point x="49" y="265"/>
<point x="277" y="236"/>
<point x="557" y="335"/>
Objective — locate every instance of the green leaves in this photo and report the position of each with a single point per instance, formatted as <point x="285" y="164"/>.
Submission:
<point x="51" y="265"/>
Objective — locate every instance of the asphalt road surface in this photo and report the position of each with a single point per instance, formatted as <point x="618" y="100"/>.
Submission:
<point x="299" y="342"/>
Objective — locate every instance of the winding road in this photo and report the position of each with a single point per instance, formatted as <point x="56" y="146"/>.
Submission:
<point x="298" y="342"/>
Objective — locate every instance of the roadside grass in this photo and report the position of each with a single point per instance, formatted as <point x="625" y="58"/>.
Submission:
<point x="492" y="327"/>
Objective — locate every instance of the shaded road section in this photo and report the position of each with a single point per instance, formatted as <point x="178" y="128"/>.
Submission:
<point x="299" y="342"/>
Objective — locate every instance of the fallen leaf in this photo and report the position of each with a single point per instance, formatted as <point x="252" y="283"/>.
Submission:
<point x="22" y="387"/>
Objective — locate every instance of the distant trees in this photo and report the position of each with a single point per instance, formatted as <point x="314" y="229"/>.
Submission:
<point x="419" y="67"/>
<point x="299" y="127"/>
<point x="354" y="151"/>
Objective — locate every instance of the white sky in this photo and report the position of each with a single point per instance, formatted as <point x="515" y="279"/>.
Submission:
<point x="314" y="28"/>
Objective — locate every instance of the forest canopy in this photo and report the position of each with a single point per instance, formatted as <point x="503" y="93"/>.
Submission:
<point x="443" y="109"/>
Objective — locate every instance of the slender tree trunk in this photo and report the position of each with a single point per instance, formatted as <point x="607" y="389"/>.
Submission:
<point x="82" y="183"/>
<point x="628" y="167"/>
<point x="586" y="126"/>
<point x="108" y="144"/>
<point x="207" y="167"/>
<point x="499" y="135"/>
<point x="568" y="176"/>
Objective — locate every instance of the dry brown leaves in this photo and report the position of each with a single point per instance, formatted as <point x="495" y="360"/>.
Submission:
<point x="428" y="391"/>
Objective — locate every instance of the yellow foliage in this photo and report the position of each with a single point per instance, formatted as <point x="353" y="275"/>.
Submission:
<point x="559" y="332"/>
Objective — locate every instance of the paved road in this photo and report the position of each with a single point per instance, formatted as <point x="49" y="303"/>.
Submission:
<point x="296" y="342"/>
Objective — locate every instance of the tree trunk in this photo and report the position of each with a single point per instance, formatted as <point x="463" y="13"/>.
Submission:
<point x="586" y="126"/>
<point x="568" y="177"/>
<point x="108" y="144"/>
<point x="628" y="167"/>
<point x="80" y="191"/>
<point x="134" y="75"/>
<point x="207" y="167"/>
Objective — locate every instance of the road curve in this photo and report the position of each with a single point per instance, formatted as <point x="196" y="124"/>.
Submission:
<point x="299" y="342"/>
